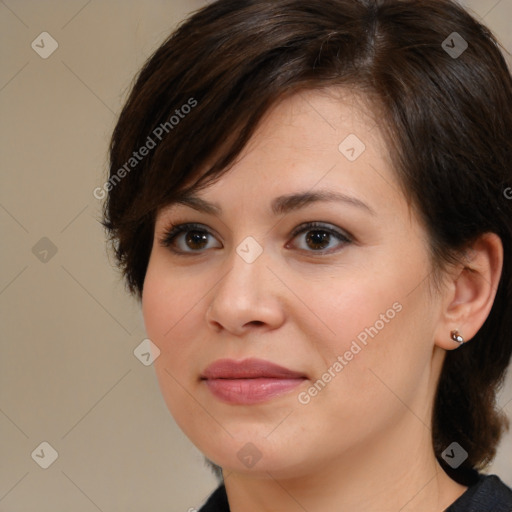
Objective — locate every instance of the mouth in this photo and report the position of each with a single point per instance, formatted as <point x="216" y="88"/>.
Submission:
<point x="249" y="381"/>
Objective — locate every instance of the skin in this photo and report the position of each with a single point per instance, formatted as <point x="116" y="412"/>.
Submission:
<point x="364" y="441"/>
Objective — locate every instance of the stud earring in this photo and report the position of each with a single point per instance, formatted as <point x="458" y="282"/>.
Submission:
<point x="457" y="337"/>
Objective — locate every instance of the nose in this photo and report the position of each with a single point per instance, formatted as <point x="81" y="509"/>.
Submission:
<point x="248" y="297"/>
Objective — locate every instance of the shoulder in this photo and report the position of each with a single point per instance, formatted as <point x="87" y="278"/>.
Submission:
<point x="488" y="494"/>
<point x="217" y="502"/>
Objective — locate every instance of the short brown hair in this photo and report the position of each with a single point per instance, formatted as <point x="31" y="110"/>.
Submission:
<point x="448" y="115"/>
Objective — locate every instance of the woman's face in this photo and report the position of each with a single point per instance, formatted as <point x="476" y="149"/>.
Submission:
<point x="343" y="304"/>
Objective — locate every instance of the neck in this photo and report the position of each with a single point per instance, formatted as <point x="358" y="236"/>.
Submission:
<point x="397" y="472"/>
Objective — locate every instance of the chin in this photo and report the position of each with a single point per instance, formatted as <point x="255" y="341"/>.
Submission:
<point x="258" y="458"/>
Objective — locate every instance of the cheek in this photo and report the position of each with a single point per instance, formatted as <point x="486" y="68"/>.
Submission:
<point x="359" y="307"/>
<point x="159" y="307"/>
<point x="376" y="324"/>
<point x="168" y="307"/>
<point x="169" y="296"/>
<point x="169" y="311"/>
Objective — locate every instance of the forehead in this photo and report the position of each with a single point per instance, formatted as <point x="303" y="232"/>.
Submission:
<point x="319" y="120"/>
<point x="319" y="137"/>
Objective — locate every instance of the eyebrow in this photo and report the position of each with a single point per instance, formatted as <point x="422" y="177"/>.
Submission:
<point x="280" y="205"/>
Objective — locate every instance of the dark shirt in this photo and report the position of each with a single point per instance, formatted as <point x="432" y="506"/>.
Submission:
<point x="488" y="494"/>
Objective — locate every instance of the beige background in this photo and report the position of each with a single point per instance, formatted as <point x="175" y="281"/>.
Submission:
<point x="68" y="372"/>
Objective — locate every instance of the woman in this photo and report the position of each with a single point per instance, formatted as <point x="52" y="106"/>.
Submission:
<point x="310" y="199"/>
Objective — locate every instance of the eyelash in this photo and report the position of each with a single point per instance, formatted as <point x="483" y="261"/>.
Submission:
<point x="175" y="230"/>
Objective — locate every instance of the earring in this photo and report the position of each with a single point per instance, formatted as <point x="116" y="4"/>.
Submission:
<point x="457" y="337"/>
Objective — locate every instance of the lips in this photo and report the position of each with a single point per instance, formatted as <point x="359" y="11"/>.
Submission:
<point x="249" y="381"/>
<point x="248" y="369"/>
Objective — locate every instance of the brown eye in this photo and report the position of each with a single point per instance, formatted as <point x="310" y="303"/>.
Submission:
<point x="196" y="239"/>
<point x="320" y="238"/>
<point x="188" y="239"/>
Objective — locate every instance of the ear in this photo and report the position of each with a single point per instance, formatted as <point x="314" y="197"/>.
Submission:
<point x="470" y="291"/>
